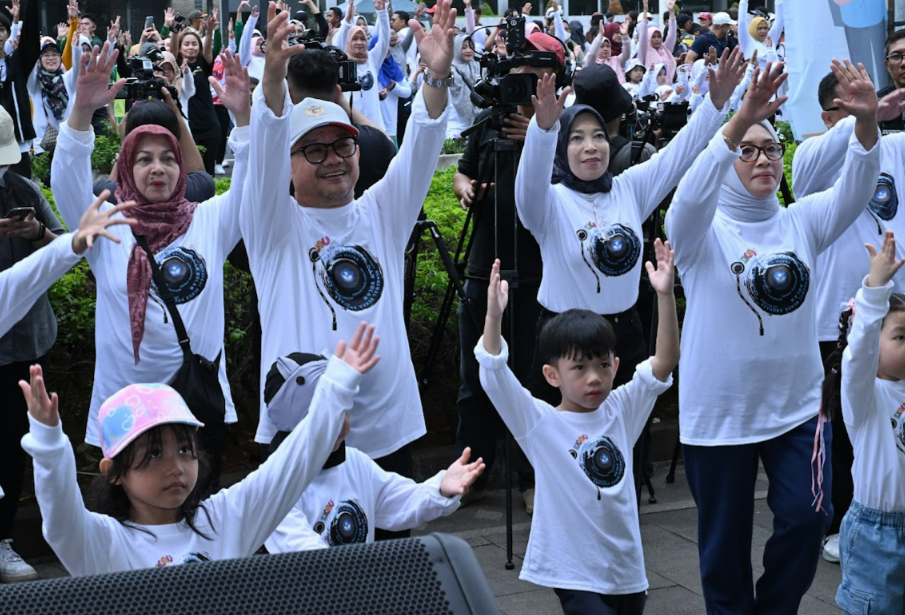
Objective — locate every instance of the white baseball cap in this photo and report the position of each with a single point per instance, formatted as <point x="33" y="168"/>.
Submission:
<point x="723" y="19"/>
<point x="9" y="147"/>
<point x="314" y="113"/>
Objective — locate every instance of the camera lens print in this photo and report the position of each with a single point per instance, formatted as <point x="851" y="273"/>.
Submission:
<point x="614" y="249"/>
<point x="185" y="273"/>
<point x="898" y="428"/>
<point x="349" y="274"/>
<point x="600" y="460"/>
<point x="777" y="283"/>
<point x="885" y="201"/>
<point x="349" y="525"/>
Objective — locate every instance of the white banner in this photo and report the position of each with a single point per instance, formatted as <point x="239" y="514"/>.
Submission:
<point x="818" y="31"/>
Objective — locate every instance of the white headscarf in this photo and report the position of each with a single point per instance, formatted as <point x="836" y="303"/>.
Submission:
<point x="737" y="203"/>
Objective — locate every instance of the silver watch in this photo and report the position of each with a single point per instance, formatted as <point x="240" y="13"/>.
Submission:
<point x="436" y="82"/>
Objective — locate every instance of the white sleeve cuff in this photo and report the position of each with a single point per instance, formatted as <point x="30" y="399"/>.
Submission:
<point x="438" y="499"/>
<point x="259" y="106"/>
<point x="83" y="137"/>
<point x="644" y="373"/>
<point x="44" y="435"/>
<point x="492" y="361"/>
<point x="342" y="373"/>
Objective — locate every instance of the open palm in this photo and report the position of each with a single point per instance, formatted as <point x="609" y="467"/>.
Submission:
<point x="436" y="46"/>
<point x="235" y="95"/>
<point x="860" y="98"/>
<point x="661" y="278"/>
<point x="95" y="69"/>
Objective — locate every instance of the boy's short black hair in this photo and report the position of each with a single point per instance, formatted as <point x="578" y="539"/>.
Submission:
<point x="336" y="10"/>
<point x="576" y="334"/>
<point x="826" y="91"/>
<point x="404" y="16"/>
<point x="90" y="18"/>
<point x="5" y="23"/>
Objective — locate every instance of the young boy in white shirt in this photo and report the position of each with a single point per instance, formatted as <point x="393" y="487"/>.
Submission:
<point x="585" y="540"/>
<point x="351" y="496"/>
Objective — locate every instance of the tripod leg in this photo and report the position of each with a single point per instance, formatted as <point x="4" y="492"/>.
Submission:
<point x="671" y="477"/>
<point x="508" y="455"/>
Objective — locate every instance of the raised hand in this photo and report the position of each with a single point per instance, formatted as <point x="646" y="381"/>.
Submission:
<point x="72" y="9"/>
<point x="350" y="11"/>
<point x="169" y="18"/>
<point x="756" y="105"/>
<point x="883" y="264"/>
<point x="728" y="75"/>
<point x="95" y="69"/>
<point x="497" y="293"/>
<point x="256" y="12"/>
<point x="547" y="108"/>
<point x="14" y="11"/>
<point x="113" y="30"/>
<point x="213" y="22"/>
<point x="526" y="10"/>
<point x="436" y="47"/>
<point x="235" y="96"/>
<point x="419" y="10"/>
<point x="670" y="5"/>
<point x="360" y="353"/>
<point x="94" y="223"/>
<point x="662" y="278"/>
<point x="712" y="58"/>
<point x="461" y="475"/>
<point x="859" y="99"/>
<point x="891" y="106"/>
<point x="62" y="30"/>
<point x="43" y="408"/>
<point x="379" y="5"/>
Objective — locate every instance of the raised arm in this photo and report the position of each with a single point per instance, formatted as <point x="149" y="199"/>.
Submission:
<point x="642" y="39"/>
<point x="469" y="18"/>
<point x="378" y="53"/>
<point x="207" y="47"/>
<point x="436" y="49"/>
<point x="662" y="280"/>
<point x="744" y="37"/>
<point x="591" y="56"/>
<point x="672" y="28"/>
<point x="828" y="214"/>
<point x="558" y="28"/>
<point x="245" y="40"/>
<point x="534" y="196"/>
<point x="778" y="24"/>
<point x="819" y="159"/>
<point x="651" y="181"/>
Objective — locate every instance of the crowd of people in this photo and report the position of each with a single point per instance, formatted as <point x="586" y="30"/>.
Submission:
<point x="791" y="344"/>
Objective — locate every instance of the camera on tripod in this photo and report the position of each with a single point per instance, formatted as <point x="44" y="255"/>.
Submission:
<point x="502" y="91"/>
<point x="143" y="84"/>
<point x="653" y="115"/>
<point x="348" y="70"/>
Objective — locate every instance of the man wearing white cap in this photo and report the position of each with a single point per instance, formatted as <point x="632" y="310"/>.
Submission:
<point x="324" y="261"/>
<point x="717" y="37"/>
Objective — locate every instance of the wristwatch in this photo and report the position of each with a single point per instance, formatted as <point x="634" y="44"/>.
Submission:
<point x="41" y="232"/>
<point x="436" y="82"/>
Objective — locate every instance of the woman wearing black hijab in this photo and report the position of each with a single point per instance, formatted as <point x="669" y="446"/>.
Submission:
<point x="588" y="223"/>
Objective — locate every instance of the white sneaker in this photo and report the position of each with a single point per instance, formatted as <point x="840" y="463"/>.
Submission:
<point x="218" y="170"/>
<point x="12" y="567"/>
<point x="528" y="497"/>
<point x="831" y="549"/>
<point x="227" y="164"/>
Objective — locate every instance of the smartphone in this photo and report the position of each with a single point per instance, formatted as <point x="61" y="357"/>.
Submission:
<point x="595" y="20"/>
<point x="149" y="22"/>
<point x="20" y="212"/>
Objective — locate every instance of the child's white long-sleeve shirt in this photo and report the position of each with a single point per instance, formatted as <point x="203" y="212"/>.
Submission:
<point x="344" y="504"/>
<point x="870" y="405"/>
<point x="238" y="519"/>
<point x="584" y="532"/>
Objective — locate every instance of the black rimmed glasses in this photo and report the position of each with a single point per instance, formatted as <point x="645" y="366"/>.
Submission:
<point x="895" y="58"/>
<point x="773" y="151"/>
<point x="316" y="153"/>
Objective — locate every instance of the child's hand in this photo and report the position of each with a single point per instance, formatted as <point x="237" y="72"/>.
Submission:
<point x="497" y="293"/>
<point x="663" y="277"/>
<point x="359" y="354"/>
<point x="883" y="265"/>
<point x="461" y="475"/>
<point x="44" y="408"/>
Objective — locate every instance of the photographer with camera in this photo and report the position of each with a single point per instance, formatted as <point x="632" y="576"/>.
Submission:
<point x="198" y="52"/>
<point x="322" y="258"/>
<point x="190" y="242"/>
<point x="588" y="223"/>
<point x="479" y="423"/>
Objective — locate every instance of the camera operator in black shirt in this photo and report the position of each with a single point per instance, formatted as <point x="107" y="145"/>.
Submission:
<point x="478" y="421"/>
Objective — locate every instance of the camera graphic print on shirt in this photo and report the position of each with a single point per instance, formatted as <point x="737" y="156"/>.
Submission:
<point x="776" y="282"/>
<point x="350" y="275"/>
<point x="600" y="460"/>
<point x="885" y="202"/>
<point x="898" y="428"/>
<point x="190" y="557"/>
<point x="613" y="249"/>
<point x="184" y="271"/>
<point x="366" y="81"/>
<point x="345" y="524"/>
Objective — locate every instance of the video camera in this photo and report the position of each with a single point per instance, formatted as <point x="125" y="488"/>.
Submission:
<point x="348" y="70"/>
<point x="652" y="115"/>
<point x="143" y="84"/>
<point x="500" y="90"/>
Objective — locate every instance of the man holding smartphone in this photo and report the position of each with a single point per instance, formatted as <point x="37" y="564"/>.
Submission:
<point x="27" y="223"/>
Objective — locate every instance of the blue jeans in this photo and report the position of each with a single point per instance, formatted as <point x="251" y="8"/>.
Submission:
<point x="872" y="554"/>
<point x="722" y="481"/>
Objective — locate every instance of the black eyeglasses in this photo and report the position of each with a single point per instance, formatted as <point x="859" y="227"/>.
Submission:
<point x="773" y="151"/>
<point x="895" y="58"/>
<point x="316" y="153"/>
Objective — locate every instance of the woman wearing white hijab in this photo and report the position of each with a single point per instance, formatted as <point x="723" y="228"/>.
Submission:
<point x="466" y="72"/>
<point x="750" y="371"/>
<point x="353" y="39"/>
<point x="251" y="48"/>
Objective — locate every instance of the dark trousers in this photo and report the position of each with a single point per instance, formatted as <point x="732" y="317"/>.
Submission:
<point x="575" y="602"/>
<point x="210" y="142"/>
<point x="13" y="425"/>
<point x="400" y="462"/>
<point x="722" y="482"/>
<point x="843" y="457"/>
<point x="211" y="439"/>
<point x="479" y="423"/>
<point x="631" y="348"/>
<point x="223" y="117"/>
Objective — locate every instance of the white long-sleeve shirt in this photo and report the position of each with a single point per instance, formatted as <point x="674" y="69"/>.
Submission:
<point x="23" y="283"/>
<point x="584" y="532"/>
<point x="816" y="166"/>
<point x="870" y="405"/>
<point x="583" y="268"/>
<point x="238" y="519"/>
<point x="750" y="367"/>
<point x="296" y="251"/>
<point x="344" y="504"/>
<point x="199" y="254"/>
<point x="43" y="117"/>
<point x="389" y="106"/>
<point x="367" y="99"/>
<point x="749" y="44"/>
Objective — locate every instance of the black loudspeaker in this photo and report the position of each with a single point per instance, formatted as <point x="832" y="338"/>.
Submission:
<point x="435" y="574"/>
